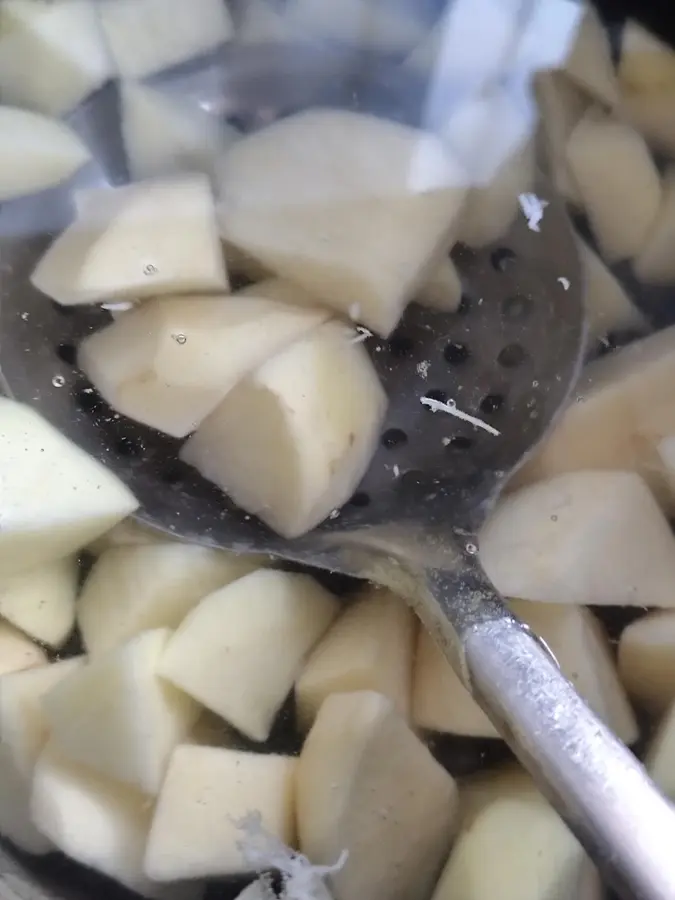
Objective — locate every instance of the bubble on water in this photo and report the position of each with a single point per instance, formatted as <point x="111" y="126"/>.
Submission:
<point x="554" y="518"/>
<point x="471" y="549"/>
<point x="535" y="384"/>
<point x="179" y="338"/>
<point x="150" y="269"/>
<point x="58" y="381"/>
<point x="25" y="316"/>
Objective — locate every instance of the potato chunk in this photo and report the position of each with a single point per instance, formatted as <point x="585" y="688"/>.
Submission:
<point x="646" y="63"/>
<point x="134" y="589"/>
<point x="54" y="497"/>
<point x="562" y="105"/>
<point x="240" y="650"/>
<point x="170" y="362"/>
<point x="196" y="828"/>
<point x="351" y="207"/>
<point x="647" y="661"/>
<point x="443" y="288"/>
<point x="368" y="786"/>
<point x="370" y="647"/>
<point x="18" y="652"/>
<point x="550" y="542"/>
<point x="140" y="240"/>
<point x="116" y="716"/>
<point x="655" y="265"/>
<point x="41" y="602"/>
<point x="589" y="63"/>
<point x="36" y="153"/>
<point x="608" y="306"/>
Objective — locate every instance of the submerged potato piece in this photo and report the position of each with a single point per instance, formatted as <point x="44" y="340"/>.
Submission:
<point x="130" y="532"/>
<point x="562" y="105"/>
<point x="612" y="166"/>
<point x="141" y="240"/>
<point x="608" y="306"/>
<point x="655" y="263"/>
<point x="118" y="717"/>
<point x="646" y="661"/>
<point x="652" y="114"/>
<point x="550" y="542"/>
<point x="589" y="63"/>
<point x="442" y="290"/>
<point x="367" y="785"/>
<point x="164" y="135"/>
<point x="36" y="153"/>
<point x="208" y="793"/>
<point x="351" y="207"/>
<point x="67" y="39"/>
<point x="146" y="36"/>
<point x="291" y="442"/>
<point x="16" y="822"/>
<point x="55" y="498"/>
<point x="18" y="652"/>
<point x="369" y="647"/>
<point x="240" y="650"/>
<point x="41" y="602"/>
<point x="171" y="361"/>
<point x="645" y="63"/>
<point x="624" y="407"/>
<point x="133" y="589"/>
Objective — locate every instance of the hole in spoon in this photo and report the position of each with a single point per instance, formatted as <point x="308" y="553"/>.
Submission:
<point x="511" y="356"/>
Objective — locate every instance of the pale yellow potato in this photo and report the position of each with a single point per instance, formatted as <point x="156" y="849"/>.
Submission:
<point x="646" y="63"/>
<point x="147" y="36"/>
<point x="562" y="105"/>
<point x="608" y="305"/>
<point x="36" y="153"/>
<point x="129" y="533"/>
<point x="55" y="497"/>
<point x="367" y="785"/>
<point x="239" y="651"/>
<point x="442" y="290"/>
<point x="551" y="542"/>
<point x="17" y="651"/>
<point x="16" y="823"/>
<point x="351" y="207"/>
<point x="613" y="168"/>
<point x="589" y="63"/>
<point x="41" y="601"/>
<point x="646" y="661"/>
<point x="652" y="114"/>
<point x="67" y="39"/>
<point x="170" y="362"/>
<point x="655" y="263"/>
<point x="291" y="442"/>
<point x="369" y="647"/>
<point x="136" y="588"/>
<point x="141" y="240"/>
<point x="196" y="830"/>
<point x="118" y="717"/>
<point x="485" y="787"/>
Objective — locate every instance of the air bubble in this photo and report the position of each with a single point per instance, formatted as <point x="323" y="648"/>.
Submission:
<point x="471" y="549"/>
<point x="58" y="381"/>
<point x="179" y="338"/>
<point x="150" y="269"/>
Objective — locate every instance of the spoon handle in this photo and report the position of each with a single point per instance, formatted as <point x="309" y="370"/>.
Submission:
<point x="592" y="779"/>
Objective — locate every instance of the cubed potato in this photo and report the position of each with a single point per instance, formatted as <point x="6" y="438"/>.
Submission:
<point x="562" y="105"/>
<point x="147" y="36"/>
<point x="129" y="533"/>
<point x="608" y="306"/>
<point x="23" y="727"/>
<point x="485" y="787"/>
<point x="141" y="240"/>
<point x="551" y="542"/>
<point x="647" y="661"/>
<point x="66" y="38"/>
<point x="41" y="602"/>
<point x="134" y="589"/>
<point x="36" y="153"/>
<point x="624" y="407"/>
<point x="196" y="831"/>
<point x="660" y="757"/>
<point x="652" y="114"/>
<point x="351" y="207"/>
<point x="116" y="716"/>
<point x="211" y="731"/>
<point x="284" y="453"/>
<point x="240" y="650"/>
<point x="369" y="647"/>
<point x="367" y="785"/>
<point x="646" y="63"/>
<point x="16" y="823"/>
<point x="654" y="264"/>
<point x="18" y="652"/>
<point x="97" y="822"/>
<point x="55" y="497"/>
<point x="589" y="63"/>
<point x="165" y="136"/>
<point x="611" y="164"/>
<point x="171" y="361"/>
<point x="518" y="848"/>
<point x="263" y="22"/>
<point x="442" y="290"/>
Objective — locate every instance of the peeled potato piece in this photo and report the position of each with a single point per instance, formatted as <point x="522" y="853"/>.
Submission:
<point x="129" y="533"/>
<point x="144" y="718"/>
<point x="140" y="240"/>
<point x="240" y="650"/>
<point x="147" y="36"/>
<point x="133" y="589"/>
<point x="655" y="264"/>
<point x="589" y="63"/>
<point x="165" y="136"/>
<point x="16" y="823"/>
<point x="646" y="63"/>
<point x="652" y="114"/>
<point x="623" y="409"/>
<point x="291" y="442"/>
<point x="351" y="207"/>
<point x="647" y="661"/>
<point x="442" y="290"/>
<point x="18" y="652"/>
<point x="41" y="602"/>
<point x="550" y="542"/>
<point x="614" y="171"/>
<point x="562" y="105"/>
<point x="369" y="647"/>
<point x="608" y="306"/>
<point x="55" y="498"/>
<point x="36" y="153"/>
<point x="263" y="22"/>
<point x="196" y="829"/>
<point x="170" y="362"/>
<point x="367" y="785"/>
<point x="66" y="38"/>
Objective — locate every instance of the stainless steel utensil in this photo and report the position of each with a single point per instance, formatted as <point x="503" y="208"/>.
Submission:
<point x="508" y="357"/>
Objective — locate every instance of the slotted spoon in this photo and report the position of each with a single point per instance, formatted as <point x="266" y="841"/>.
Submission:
<point x="508" y="357"/>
